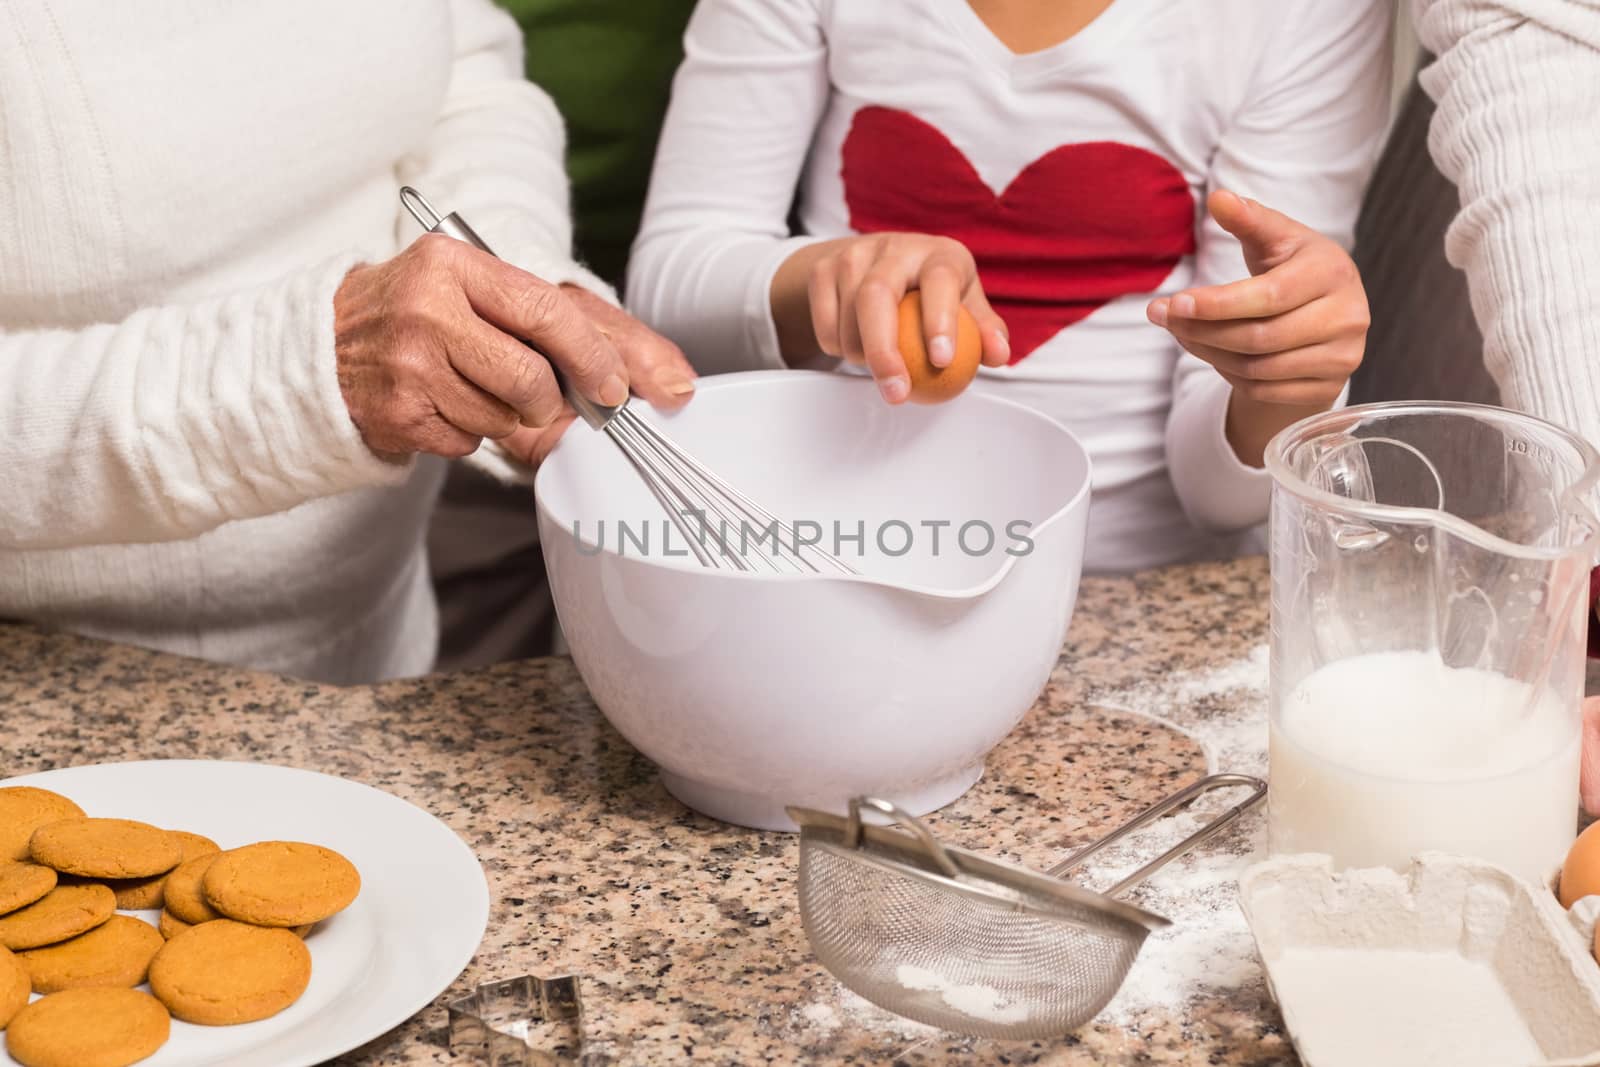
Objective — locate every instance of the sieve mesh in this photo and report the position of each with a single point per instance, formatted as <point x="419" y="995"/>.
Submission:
<point x="1003" y="963"/>
<point x="967" y="944"/>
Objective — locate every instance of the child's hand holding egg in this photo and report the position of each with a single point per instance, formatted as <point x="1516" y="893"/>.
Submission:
<point x="931" y="384"/>
<point x="839" y="298"/>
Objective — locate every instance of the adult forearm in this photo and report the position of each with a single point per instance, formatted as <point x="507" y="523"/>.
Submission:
<point x="1515" y="86"/>
<point x="178" y="419"/>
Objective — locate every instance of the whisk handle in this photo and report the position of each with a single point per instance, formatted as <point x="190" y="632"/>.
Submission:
<point x="453" y="225"/>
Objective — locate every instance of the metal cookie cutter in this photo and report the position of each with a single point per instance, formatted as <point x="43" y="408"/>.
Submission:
<point x="520" y="1022"/>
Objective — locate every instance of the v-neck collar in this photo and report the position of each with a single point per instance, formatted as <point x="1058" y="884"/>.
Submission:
<point x="1106" y="28"/>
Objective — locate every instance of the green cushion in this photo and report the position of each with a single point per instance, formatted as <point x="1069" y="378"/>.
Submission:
<point x="608" y="64"/>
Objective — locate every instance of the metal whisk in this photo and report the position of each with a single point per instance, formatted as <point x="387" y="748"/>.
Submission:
<point x="724" y="528"/>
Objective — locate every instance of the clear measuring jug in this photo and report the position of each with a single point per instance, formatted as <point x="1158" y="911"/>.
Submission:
<point x="1430" y="566"/>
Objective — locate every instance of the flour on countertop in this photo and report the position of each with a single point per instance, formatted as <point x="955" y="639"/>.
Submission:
<point x="1208" y="951"/>
<point x="861" y="1012"/>
<point x="1224" y="708"/>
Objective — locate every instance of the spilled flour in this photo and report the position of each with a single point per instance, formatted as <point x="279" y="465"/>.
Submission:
<point x="817" y="1021"/>
<point x="1208" y="951"/>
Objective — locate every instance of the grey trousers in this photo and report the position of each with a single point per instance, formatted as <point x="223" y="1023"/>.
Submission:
<point x="488" y="573"/>
<point x="1424" y="343"/>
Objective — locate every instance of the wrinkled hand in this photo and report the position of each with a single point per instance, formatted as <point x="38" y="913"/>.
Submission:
<point x="853" y="288"/>
<point x="1288" y="337"/>
<point x="429" y="358"/>
<point x="1589" y="787"/>
<point x="657" y="368"/>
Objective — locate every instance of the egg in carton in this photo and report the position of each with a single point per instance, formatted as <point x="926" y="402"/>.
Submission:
<point x="1576" y="884"/>
<point x="1453" y="961"/>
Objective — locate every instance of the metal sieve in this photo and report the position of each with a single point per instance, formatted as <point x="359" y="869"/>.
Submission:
<point x="974" y="945"/>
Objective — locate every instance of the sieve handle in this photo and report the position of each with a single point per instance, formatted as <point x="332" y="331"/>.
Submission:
<point x="1258" y="792"/>
<point x="924" y="836"/>
<point x="453" y="225"/>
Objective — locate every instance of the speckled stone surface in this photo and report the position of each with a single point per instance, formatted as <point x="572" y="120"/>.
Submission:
<point x="687" y="931"/>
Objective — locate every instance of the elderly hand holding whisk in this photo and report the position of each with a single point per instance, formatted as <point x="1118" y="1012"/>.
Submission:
<point x="429" y="359"/>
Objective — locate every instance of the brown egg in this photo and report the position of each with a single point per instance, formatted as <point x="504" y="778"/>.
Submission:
<point x="1580" y="875"/>
<point x="930" y="384"/>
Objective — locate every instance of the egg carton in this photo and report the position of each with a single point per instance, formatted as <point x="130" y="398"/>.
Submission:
<point x="1453" y="962"/>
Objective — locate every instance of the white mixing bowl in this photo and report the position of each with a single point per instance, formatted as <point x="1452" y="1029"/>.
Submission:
<point x="753" y="692"/>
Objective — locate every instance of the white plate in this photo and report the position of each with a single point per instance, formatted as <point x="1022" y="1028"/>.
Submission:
<point x="422" y="911"/>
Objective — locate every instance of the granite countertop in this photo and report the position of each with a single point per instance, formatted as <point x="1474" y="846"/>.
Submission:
<point x="686" y="931"/>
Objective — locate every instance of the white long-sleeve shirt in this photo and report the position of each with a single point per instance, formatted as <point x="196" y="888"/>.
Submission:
<point x="1515" y="83"/>
<point x="182" y="188"/>
<point x="1076" y="175"/>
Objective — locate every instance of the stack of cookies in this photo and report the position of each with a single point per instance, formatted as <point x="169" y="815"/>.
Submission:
<point x="229" y="947"/>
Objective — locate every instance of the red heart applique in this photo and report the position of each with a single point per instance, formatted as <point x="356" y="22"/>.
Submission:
<point x="1080" y="226"/>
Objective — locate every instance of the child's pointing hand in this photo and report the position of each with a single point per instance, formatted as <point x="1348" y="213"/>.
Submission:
<point x="1288" y="337"/>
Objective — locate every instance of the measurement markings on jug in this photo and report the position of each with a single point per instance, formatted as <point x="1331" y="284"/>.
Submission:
<point x="1523" y="447"/>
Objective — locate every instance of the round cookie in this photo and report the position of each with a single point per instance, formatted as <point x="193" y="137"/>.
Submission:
<point x="105" y="848"/>
<point x="171" y="926"/>
<point x="23" y="883"/>
<point x="14" y="986"/>
<point x="116" y="953"/>
<point x="148" y="894"/>
<point x="25" y="808"/>
<point x="194" y="845"/>
<point x="66" y="911"/>
<point x="139" y="894"/>
<point x="88" y="1028"/>
<point x="224" y="972"/>
<point x="186" y="898"/>
<point x="281" y="883"/>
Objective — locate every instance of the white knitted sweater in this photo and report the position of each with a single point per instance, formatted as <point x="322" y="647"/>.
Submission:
<point x="182" y="188"/>
<point x="1516" y="83"/>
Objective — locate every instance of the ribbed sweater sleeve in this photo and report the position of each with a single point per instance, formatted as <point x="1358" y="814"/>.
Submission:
<point x="497" y="154"/>
<point x="178" y="419"/>
<point x="1515" y="83"/>
<point x="521" y="205"/>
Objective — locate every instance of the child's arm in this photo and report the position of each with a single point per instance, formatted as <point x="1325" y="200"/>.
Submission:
<point x="714" y="267"/>
<point x="1286" y="339"/>
<point x="745" y="104"/>
<point x="1303" y="142"/>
